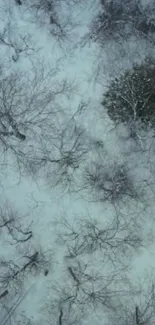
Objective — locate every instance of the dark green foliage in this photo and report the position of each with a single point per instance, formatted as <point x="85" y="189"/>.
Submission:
<point x="132" y="96"/>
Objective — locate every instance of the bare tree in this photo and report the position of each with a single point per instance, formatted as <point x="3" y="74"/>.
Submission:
<point x="19" y="44"/>
<point x="85" y="288"/>
<point x="56" y="16"/>
<point x="28" y="112"/>
<point x="13" y="273"/>
<point x="109" y="182"/>
<point x="14" y="234"/>
<point x="11" y="221"/>
<point x="122" y="19"/>
<point x="8" y="310"/>
<point x="63" y="156"/>
<point x="59" y="312"/>
<point x="21" y="258"/>
<point x="138" y="308"/>
<point x="117" y="240"/>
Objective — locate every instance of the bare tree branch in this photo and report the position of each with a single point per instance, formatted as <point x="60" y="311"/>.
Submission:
<point x="122" y="19"/>
<point x="28" y="112"/>
<point x="118" y="239"/>
<point x="20" y="44"/>
<point x="11" y="221"/>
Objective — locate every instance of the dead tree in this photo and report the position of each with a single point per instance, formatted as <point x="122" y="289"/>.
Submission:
<point x="20" y="45"/>
<point x="120" y="19"/>
<point x="66" y="158"/>
<point x="109" y="183"/>
<point x="14" y="274"/>
<point x="11" y="222"/>
<point x="28" y="110"/>
<point x="118" y="239"/>
<point x="138" y="307"/>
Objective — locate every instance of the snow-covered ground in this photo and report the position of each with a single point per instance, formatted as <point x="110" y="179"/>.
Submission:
<point x="47" y="210"/>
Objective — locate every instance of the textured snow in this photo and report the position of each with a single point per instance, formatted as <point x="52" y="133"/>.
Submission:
<point x="37" y="203"/>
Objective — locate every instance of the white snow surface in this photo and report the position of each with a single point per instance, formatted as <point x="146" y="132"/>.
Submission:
<point x="37" y="203"/>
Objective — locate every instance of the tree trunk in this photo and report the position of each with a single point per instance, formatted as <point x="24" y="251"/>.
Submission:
<point x="18" y="2"/>
<point x="137" y="316"/>
<point x="4" y="294"/>
<point x="15" y="128"/>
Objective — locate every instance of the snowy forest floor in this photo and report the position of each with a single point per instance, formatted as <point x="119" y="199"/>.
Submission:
<point x="69" y="252"/>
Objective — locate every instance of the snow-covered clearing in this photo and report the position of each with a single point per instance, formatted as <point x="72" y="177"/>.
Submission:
<point x="71" y="252"/>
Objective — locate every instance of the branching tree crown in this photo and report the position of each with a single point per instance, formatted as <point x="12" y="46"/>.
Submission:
<point x="131" y="97"/>
<point x="119" y="18"/>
